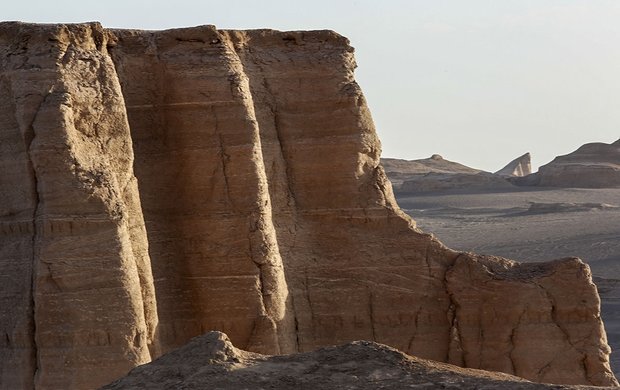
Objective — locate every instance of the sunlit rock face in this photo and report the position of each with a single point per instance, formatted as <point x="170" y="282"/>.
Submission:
<point x="158" y="185"/>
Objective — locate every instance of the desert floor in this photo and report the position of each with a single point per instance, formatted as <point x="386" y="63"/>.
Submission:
<point x="534" y="224"/>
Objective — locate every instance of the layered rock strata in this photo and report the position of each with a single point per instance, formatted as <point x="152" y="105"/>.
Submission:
<point x="438" y="174"/>
<point x="399" y="170"/>
<point x="157" y="185"/>
<point x="77" y="292"/>
<point x="593" y="165"/>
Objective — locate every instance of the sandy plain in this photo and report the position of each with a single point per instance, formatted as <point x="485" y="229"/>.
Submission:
<point x="532" y="224"/>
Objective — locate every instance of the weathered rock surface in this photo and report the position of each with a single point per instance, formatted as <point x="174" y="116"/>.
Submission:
<point x="77" y="295"/>
<point x="211" y="361"/>
<point x="593" y="165"/>
<point x="520" y="166"/>
<point x="159" y="184"/>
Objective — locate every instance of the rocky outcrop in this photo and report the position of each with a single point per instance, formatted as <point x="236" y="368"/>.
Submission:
<point x="544" y="288"/>
<point x="520" y="166"/>
<point x="157" y="185"/>
<point x="593" y="165"/>
<point x="211" y="361"/>
<point x="399" y="170"/>
<point x="437" y="174"/>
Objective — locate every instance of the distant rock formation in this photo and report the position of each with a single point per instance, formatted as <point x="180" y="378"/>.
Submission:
<point x="520" y="166"/>
<point x="593" y="165"/>
<point x="399" y="170"/>
<point x="211" y="361"/>
<point x="437" y="174"/>
<point x="156" y="185"/>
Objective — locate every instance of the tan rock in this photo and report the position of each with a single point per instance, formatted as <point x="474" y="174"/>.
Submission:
<point x="527" y="319"/>
<point x="212" y="361"/>
<point x="399" y="171"/>
<point x="520" y="166"/>
<point x="593" y="165"/>
<point x="80" y="299"/>
<point x="438" y="174"/>
<point x="260" y="200"/>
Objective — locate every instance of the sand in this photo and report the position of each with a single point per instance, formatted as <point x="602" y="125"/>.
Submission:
<point x="534" y="224"/>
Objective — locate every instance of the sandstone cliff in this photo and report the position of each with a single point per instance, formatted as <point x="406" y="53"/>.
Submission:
<point x="211" y="361"/>
<point x="157" y="185"/>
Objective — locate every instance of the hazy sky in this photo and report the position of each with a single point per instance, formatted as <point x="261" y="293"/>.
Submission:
<point x="480" y="82"/>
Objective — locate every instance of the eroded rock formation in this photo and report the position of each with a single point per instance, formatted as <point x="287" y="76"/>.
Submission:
<point x="211" y="361"/>
<point x="593" y="165"/>
<point x="438" y="174"/>
<point x="260" y="209"/>
<point x="399" y="170"/>
<point x="520" y="166"/>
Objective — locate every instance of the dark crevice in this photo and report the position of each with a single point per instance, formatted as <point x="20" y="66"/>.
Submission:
<point x="513" y="334"/>
<point x="371" y="313"/>
<point x="278" y="133"/>
<point x="225" y="158"/>
<point x="415" y="332"/>
<point x="29" y="137"/>
<point x="454" y="333"/>
<point x="564" y="331"/>
<point x="296" y="321"/>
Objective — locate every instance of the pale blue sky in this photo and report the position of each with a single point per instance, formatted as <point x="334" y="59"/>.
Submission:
<point x="479" y="82"/>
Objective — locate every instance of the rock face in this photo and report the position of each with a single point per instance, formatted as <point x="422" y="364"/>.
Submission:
<point x="157" y="185"/>
<point x="211" y="361"/>
<point x="520" y="166"/>
<point x="594" y="165"/>
<point x="77" y="290"/>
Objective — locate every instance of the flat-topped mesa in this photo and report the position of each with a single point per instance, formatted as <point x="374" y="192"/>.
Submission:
<point x="263" y="207"/>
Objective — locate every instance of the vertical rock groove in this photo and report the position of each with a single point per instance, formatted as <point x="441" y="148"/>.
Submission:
<point x="86" y="294"/>
<point x="29" y="137"/>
